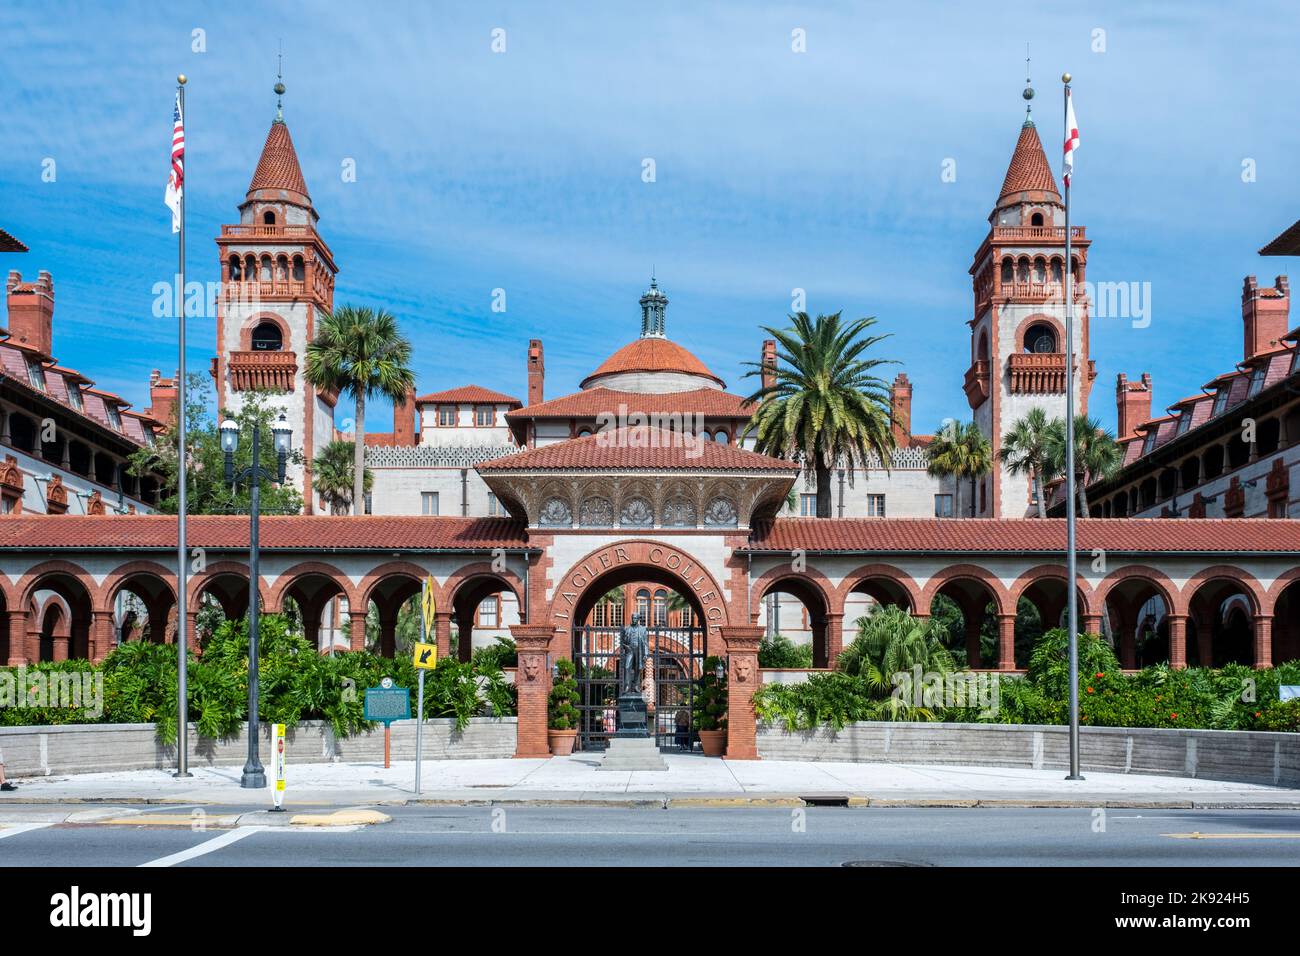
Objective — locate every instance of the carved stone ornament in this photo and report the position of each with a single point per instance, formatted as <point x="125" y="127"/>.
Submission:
<point x="720" y="513"/>
<point x="555" y="513"/>
<point x="679" y="513"/>
<point x="532" y="668"/>
<point x="637" y="513"/>
<point x="596" y="513"/>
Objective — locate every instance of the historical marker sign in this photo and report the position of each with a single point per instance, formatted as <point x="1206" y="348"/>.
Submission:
<point x="387" y="704"/>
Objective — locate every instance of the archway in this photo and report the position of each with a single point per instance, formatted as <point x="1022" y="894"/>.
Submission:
<point x="968" y="603"/>
<point x="484" y="605"/>
<point x="799" y="607"/>
<point x="1137" y="602"/>
<point x="1286" y="622"/>
<point x="142" y="603"/>
<point x="1221" y="608"/>
<point x="872" y="586"/>
<point x="317" y="596"/>
<point x="391" y="598"/>
<point x="1041" y="605"/>
<point x="67" y="585"/>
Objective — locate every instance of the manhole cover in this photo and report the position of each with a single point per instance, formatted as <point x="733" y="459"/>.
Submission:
<point x="880" y="863"/>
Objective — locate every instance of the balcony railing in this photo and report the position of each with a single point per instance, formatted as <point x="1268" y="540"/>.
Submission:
<point x="249" y="231"/>
<point x="1037" y="232"/>
<point x="273" y="370"/>
<point x="978" y="383"/>
<point x="1037" y="372"/>
<point x="251" y="291"/>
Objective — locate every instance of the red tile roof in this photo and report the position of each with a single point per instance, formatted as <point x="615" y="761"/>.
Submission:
<point x="652" y="355"/>
<point x="470" y="395"/>
<point x="1029" y="170"/>
<point x="1013" y="535"/>
<point x="278" y="532"/>
<point x="278" y="168"/>
<point x="10" y="244"/>
<point x="607" y="401"/>
<point x="652" y="449"/>
<point x="1287" y="244"/>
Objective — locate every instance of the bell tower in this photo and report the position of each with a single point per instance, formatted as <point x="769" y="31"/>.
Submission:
<point x="277" y="277"/>
<point x="1018" y="350"/>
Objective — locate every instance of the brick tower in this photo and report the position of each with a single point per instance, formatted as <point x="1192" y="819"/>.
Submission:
<point x="277" y="277"/>
<point x="1018" y="329"/>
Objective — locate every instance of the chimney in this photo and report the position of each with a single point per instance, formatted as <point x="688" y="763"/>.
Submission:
<point x="769" y="363"/>
<point x="31" y="312"/>
<point x="900" y="410"/>
<point x="1132" y="404"/>
<point x="536" y="372"/>
<point x="404" y="431"/>
<point x="162" y="397"/>
<point x="1265" y="315"/>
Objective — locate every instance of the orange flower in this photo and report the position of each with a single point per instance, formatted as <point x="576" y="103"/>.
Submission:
<point x="1173" y="716"/>
<point x="1089" y="690"/>
<point x="1101" y="674"/>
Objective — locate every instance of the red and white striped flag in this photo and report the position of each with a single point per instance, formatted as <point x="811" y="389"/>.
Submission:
<point x="1071" y="136"/>
<point x="176" y="181"/>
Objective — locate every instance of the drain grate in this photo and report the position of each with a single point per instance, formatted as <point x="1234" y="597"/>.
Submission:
<point x="826" y="800"/>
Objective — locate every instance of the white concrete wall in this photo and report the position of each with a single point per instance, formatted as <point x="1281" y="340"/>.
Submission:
<point x="36" y="473"/>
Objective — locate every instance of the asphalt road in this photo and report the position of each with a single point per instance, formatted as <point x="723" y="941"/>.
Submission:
<point x="581" y="836"/>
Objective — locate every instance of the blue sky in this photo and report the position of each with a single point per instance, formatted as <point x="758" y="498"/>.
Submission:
<point x="775" y="170"/>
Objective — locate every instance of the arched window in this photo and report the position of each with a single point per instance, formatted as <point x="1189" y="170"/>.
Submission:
<point x="236" y="270"/>
<point x="721" y="437"/>
<point x="1036" y="219"/>
<point x="266" y="269"/>
<point x="1022" y="272"/>
<point x="1008" y="271"/>
<point x="1040" y="339"/>
<point x="1057" y="266"/>
<point x="298" y="271"/>
<point x="661" y="609"/>
<point x="982" y="351"/>
<point x="268" y="218"/>
<point x="267" y="338"/>
<point x="643" y="604"/>
<point x="1040" y="270"/>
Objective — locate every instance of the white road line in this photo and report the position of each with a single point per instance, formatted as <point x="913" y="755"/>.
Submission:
<point x="207" y="846"/>
<point x="8" y="830"/>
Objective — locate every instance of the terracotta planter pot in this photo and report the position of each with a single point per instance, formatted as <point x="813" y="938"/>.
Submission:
<point x="561" y="741"/>
<point x="714" y="742"/>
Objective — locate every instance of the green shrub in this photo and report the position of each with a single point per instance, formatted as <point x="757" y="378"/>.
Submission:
<point x="500" y="655"/>
<point x="562" y="705"/>
<point x="777" y="650"/>
<point x="709" y="710"/>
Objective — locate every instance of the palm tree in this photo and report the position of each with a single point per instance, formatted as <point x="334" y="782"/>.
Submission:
<point x="1096" y="453"/>
<point x="332" y="475"/>
<point x="959" y="451"/>
<point x="825" y="405"/>
<point x="1024" y="450"/>
<point x="361" y="352"/>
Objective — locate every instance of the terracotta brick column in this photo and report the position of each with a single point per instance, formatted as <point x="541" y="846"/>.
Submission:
<point x="834" y="637"/>
<point x="1177" y="641"/>
<point x="742" y="680"/>
<point x="15" y="623"/>
<point x="356" y="631"/>
<point x="192" y="630"/>
<point x="1090" y="623"/>
<point x="1263" y="641"/>
<point x="533" y="681"/>
<point x="1006" y="642"/>
<point x="100" y="638"/>
<point x="442" y="633"/>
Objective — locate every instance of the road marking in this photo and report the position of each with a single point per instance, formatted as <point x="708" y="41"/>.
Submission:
<point x="206" y="847"/>
<point x="8" y="830"/>
<point x="1233" y="836"/>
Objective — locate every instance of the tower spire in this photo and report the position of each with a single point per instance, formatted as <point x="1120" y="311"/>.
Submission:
<point x="653" y="306"/>
<point x="1028" y="94"/>
<point x="279" y="86"/>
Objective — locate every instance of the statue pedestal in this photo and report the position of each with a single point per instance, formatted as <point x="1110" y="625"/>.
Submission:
<point x="632" y="719"/>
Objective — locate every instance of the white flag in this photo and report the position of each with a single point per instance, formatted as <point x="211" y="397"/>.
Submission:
<point x="1071" y="136"/>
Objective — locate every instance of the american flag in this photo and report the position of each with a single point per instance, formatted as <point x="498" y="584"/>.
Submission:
<point x="176" y="181"/>
<point x="1071" y="137"/>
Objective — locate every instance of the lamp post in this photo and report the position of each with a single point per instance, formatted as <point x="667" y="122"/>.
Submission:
<point x="254" y="776"/>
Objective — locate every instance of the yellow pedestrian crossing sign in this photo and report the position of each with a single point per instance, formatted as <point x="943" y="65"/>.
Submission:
<point x="428" y="605"/>
<point x="426" y="656"/>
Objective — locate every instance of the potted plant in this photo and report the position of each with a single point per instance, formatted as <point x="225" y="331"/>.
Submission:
<point x="710" y="709"/>
<point x="562" y="710"/>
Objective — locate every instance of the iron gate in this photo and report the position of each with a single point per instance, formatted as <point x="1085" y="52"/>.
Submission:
<point x="674" y="663"/>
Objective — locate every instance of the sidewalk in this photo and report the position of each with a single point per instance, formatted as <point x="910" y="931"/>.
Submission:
<point x="691" y="780"/>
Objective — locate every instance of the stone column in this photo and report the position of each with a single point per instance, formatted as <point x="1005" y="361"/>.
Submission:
<point x="442" y="633"/>
<point x="533" y="682"/>
<point x="192" y="630"/>
<point x="1091" y="624"/>
<point x="33" y="642"/>
<point x="1177" y="641"/>
<point x="1263" y="641"/>
<point x="1006" y="642"/>
<point x="60" y="640"/>
<point x="742" y="680"/>
<point x="834" y="637"/>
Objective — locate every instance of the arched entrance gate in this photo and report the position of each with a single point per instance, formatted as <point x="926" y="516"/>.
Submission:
<point x="675" y="660"/>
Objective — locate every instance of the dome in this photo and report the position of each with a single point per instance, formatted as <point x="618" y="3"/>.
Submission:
<point x="653" y="365"/>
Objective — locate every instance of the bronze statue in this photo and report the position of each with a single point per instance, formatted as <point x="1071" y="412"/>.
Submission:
<point x="633" y="646"/>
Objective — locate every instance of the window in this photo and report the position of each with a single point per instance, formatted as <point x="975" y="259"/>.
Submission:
<point x="661" y="609"/>
<point x="1149" y="443"/>
<point x="1008" y="272"/>
<point x="494" y="506"/>
<point x="1220" y="400"/>
<point x="428" y="502"/>
<point x="114" y="418"/>
<point x="485" y="417"/>
<point x="808" y="506"/>
<point x="1036" y="219"/>
<point x="943" y="506"/>
<point x="267" y="338"/>
<point x="1040" y="339"/>
<point x="35" y="373"/>
<point x="370" y="501"/>
<point x="446" y="416"/>
<point x="1184" y="420"/>
<point x="875" y="506"/>
<point x="1257" y="380"/>
<point x="74" y="394"/>
<point x="643" y="604"/>
<point x="489" y="612"/>
<point x="1295" y="361"/>
<point x="299" y="273"/>
<point x="268" y="218"/>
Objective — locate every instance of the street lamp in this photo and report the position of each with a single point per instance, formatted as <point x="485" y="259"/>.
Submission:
<point x="254" y="776"/>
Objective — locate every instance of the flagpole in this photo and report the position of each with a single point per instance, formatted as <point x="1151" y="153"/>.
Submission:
<point x="1071" y="571"/>
<point x="182" y="575"/>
